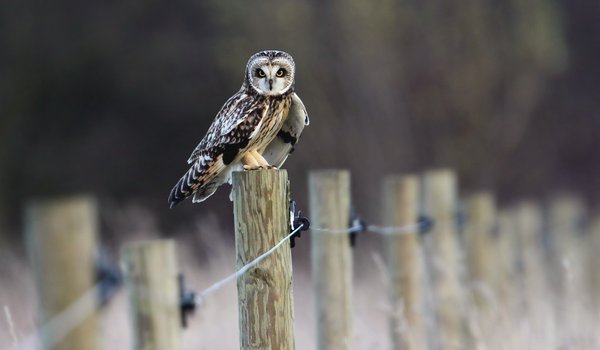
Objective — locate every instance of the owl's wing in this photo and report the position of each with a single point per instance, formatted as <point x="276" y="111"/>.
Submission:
<point x="233" y="113"/>
<point x="232" y="130"/>
<point x="283" y="145"/>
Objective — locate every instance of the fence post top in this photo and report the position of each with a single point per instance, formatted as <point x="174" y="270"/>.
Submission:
<point x="440" y="172"/>
<point x="149" y="243"/>
<point x="399" y="178"/>
<point x="329" y="172"/>
<point x="70" y="200"/>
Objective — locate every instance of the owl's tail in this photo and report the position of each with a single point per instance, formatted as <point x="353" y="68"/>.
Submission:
<point x="186" y="186"/>
<point x="200" y="181"/>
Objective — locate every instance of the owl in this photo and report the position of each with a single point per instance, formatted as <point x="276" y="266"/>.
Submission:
<point x="256" y="128"/>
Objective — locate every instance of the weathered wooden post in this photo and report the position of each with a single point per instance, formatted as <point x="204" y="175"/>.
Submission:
<point x="528" y="225"/>
<point x="151" y="278"/>
<point x="61" y="241"/>
<point x="331" y="258"/>
<point x="404" y="262"/>
<point x="566" y="213"/>
<point x="261" y="212"/>
<point x="480" y="245"/>
<point x="505" y="281"/>
<point x="594" y="260"/>
<point x="443" y="255"/>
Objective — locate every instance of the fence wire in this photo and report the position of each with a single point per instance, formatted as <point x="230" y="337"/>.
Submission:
<point x="406" y="229"/>
<point x="384" y="230"/>
<point x="220" y="284"/>
<point x="60" y="325"/>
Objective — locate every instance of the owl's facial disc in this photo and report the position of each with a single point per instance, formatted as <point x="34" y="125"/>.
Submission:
<point x="271" y="76"/>
<point x="271" y="79"/>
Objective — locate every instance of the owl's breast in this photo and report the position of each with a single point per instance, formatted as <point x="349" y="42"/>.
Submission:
<point x="272" y="122"/>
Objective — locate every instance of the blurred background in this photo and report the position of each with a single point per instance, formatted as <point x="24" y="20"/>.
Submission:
<point x="109" y="98"/>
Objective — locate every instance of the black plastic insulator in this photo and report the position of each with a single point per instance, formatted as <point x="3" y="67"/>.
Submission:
<point x="299" y="221"/>
<point x="187" y="301"/>
<point x="108" y="275"/>
<point x="361" y="227"/>
<point x="426" y="224"/>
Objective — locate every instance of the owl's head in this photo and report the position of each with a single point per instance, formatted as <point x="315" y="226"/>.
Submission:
<point x="271" y="72"/>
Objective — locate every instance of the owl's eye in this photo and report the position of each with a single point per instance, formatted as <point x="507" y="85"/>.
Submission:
<point x="280" y="73"/>
<point x="260" y="73"/>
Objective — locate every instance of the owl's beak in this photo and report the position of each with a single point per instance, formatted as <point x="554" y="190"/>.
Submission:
<point x="270" y="84"/>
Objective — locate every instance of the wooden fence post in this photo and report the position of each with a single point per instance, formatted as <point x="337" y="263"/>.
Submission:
<point x="331" y="258"/>
<point x="593" y="263"/>
<point x="443" y="255"/>
<point x="480" y="245"/>
<point x="261" y="212"/>
<point x="151" y="278"/>
<point x="505" y="281"/>
<point x="566" y="213"/>
<point x="404" y="263"/>
<point x="61" y="241"/>
<point x="528" y="225"/>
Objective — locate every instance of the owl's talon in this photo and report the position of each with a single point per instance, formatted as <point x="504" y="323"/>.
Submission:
<point x="250" y="168"/>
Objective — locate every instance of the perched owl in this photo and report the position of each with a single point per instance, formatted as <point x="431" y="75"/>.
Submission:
<point x="256" y="128"/>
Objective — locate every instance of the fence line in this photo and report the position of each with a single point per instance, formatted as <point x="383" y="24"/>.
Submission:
<point x="60" y="325"/>
<point x="76" y="311"/>
<point x="63" y="323"/>
<point x="372" y="228"/>
<point x="232" y="277"/>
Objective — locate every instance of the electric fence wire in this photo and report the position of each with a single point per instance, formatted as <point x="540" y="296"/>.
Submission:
<point x="384" y="230"/>
<point x="218" y="285"/>
<point x="406" y="229"/>
<point x="60" y="325"/>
